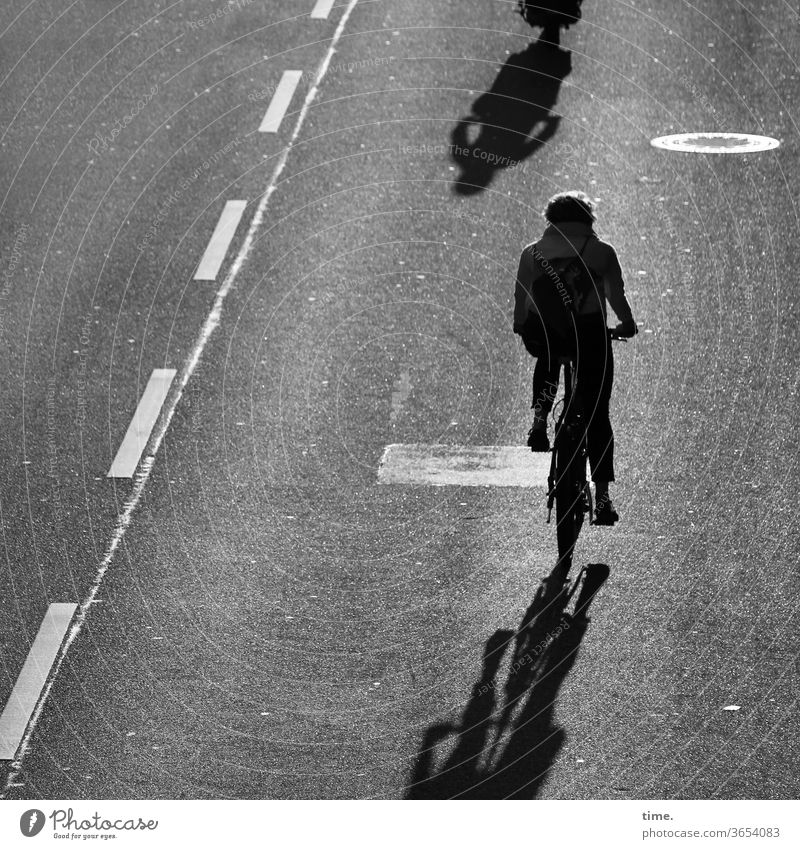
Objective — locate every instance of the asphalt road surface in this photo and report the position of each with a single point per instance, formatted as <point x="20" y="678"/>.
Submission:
<point x="257" y="616"/>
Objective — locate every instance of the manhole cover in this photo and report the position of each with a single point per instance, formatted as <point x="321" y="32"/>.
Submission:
<point x="715" y="143"/>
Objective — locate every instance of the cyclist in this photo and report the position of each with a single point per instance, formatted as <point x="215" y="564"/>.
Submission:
<point x="550" y="16"/>
<point x="557" y="315"/>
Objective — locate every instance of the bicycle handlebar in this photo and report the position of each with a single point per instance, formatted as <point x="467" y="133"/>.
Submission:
<point x="617" y="334"/>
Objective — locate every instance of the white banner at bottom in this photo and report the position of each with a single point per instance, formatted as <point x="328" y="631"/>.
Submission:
<point x="393" y="823"/>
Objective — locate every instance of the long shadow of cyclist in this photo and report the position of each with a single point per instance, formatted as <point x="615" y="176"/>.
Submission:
<point x="505" y="742"/>
<point x="511" y="120"/>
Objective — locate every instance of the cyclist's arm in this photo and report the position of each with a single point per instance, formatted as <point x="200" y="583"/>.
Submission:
<point x="522" y="288"/>
<point x="615" y="289"/>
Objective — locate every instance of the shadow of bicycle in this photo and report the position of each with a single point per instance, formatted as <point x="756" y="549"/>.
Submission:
<point x="507" y="738"/>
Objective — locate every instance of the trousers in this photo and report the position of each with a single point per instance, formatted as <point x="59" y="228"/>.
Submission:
<point x="594" y="382"/>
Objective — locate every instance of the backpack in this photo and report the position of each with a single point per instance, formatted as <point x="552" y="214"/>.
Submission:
<point x="546" y="311"/>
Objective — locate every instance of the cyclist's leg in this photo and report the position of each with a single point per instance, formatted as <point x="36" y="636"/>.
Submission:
<point x="545" y="387"/>
<point x="600" y="436"/>
<point x="595" y="382"/>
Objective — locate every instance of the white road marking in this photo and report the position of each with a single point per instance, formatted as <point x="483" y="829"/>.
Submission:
<point x="206" y="331"/>
<point x="715" y="143"/>
<point x="280" y="101"/>
<point x="220" y="241"/>
<point x="322" y="9"/>
<point x="463" y="465"/>
<point x="30" y="683"/>
<point x="142" y="424"/>
<point x="400" y="394"/>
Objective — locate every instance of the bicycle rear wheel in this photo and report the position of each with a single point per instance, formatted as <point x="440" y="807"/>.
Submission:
<point x="570" y="489"/>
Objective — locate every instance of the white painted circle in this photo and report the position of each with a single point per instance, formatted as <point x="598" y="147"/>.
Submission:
<point x="715" y="143"/>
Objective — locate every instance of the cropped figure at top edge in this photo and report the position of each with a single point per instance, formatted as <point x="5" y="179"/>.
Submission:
<point x="538" y="306"/>
<point x="551" y="16"/>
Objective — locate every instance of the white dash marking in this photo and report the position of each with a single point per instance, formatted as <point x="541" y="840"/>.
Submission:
<point x="141" y="426"/>
<point x="400" y="395"/>
<point x="30" y="683"/>
<point x="322" y="9"/>
<point x="220" y="241"/>
<point x="280" y="101"/>
<point x="463" y="465"/>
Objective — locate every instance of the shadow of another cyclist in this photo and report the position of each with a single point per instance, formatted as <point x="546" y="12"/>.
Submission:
<point x="507" y="738"/>
<point x="513" y="119"/>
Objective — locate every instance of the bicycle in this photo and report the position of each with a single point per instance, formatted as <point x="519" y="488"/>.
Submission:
<point x="567" y="483"/>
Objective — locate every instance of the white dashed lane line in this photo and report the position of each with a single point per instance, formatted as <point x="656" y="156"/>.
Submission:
<point x="141" y="426"/>
<point x="280" y="101"/>
<point x="463" y="465"/>
<point x="30" y="683"/>
<point x="402" y="389"/>
<point x="220" y="241"/>
<point x="322" y="9"/>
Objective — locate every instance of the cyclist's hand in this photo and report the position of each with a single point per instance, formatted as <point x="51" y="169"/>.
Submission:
<point x="626" y="329"/>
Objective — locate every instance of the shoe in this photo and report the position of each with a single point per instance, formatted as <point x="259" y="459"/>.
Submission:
<point x="605" y="514"/>
<point x="537" y="439"/>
